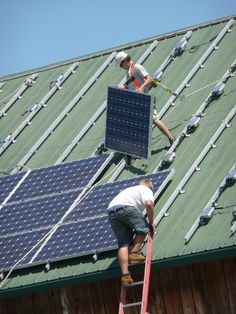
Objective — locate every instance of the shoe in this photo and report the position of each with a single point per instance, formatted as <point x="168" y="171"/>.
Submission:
<point x="129" y="160"/>
<point x="172" y="140"/>
<point x="126" y="279"/>
<point x="136" y="257"/>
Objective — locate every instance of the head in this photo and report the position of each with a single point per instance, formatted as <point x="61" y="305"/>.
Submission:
<point x="148" y="183"/>
<point x="122" y="60"/>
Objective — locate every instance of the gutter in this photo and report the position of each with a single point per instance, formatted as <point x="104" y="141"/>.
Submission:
<point x="112" y="273"/>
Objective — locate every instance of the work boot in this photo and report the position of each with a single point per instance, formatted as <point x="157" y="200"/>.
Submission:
<point x="126" y="279"/>
<point x="136" y="257"/>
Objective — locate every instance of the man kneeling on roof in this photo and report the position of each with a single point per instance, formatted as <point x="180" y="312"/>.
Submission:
<point x="130" y="225"/>
<point x="140" y="80"/>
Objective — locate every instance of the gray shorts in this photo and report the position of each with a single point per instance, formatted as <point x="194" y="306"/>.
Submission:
<point x="126" y="223"/>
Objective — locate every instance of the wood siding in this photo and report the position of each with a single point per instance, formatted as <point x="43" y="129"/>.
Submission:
<point x="199" y="288"/>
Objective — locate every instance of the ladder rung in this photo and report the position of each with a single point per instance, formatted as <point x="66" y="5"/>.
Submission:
<point x="132" y="304"/>
<point x="137" y="283"/>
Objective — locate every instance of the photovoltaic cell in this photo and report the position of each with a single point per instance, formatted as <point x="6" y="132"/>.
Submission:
<point x="14" y="247"/>
<point x="7" y="184"/>
<point x="36" y="213"/>
<point x="59" y="178"/>
<point x="129" y="122"/>
<point x="81" y="237"/>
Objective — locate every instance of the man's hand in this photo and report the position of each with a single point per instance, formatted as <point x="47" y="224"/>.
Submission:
<point x="152" y="228"/>
<point x="140" y="90"/>
<point x="121" y="86"/>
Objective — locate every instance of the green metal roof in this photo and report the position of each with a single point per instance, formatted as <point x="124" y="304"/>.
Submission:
<point x="70" y="125"/>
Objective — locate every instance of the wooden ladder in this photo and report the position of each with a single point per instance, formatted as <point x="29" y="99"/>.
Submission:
<point x="144" y="302"/>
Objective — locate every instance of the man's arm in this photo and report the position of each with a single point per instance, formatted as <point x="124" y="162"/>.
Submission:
<point x="149" y="209"/>
<point x="147" y="82"/>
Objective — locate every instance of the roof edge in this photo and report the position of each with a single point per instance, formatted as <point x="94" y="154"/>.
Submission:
<point x="193" y="258"/>
<point x="120" y="47"/>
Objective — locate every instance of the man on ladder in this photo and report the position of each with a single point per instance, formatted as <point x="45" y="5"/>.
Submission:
<point x="130" y="225"/>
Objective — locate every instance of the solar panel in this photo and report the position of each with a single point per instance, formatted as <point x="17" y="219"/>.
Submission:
<point x="94" y="203"/>
<point x="60" y="178"/>
<point x="129" y="122"/>
<point x="14" y="247"/>
<point x="36" y="213"/>
<point x="86" y="229"/>
<point x="7" y="184"/>
<point x="81" y="237"/>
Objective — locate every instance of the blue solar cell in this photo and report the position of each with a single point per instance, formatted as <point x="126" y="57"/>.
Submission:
<point x="37" y="213"/>
<point x="129" y="122"/>
<point x="7" y="184"/>
<point x="59" y="178"/>
<point x="14" y="247"/>
<point x="78" y="238"/>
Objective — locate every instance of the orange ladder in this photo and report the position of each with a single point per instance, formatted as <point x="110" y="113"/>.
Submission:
<point x="145" y="283"/>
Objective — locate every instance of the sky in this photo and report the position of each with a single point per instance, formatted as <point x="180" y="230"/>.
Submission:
<point x="37" y="33"/>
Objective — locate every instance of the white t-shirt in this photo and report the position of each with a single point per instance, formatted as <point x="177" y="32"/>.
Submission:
<point x="135" y="196"/>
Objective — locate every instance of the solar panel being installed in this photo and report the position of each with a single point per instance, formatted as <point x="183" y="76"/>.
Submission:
<point x="129" y="122"/>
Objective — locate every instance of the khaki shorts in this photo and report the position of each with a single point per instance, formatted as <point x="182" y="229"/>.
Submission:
<point x="155" y="115"/>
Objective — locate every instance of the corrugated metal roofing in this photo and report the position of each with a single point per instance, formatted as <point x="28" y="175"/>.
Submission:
<point x="69" y="123"/>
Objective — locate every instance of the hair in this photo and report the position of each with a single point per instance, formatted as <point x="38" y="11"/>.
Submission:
<point x="147" y="182"/>
<point x="128" y="58"/>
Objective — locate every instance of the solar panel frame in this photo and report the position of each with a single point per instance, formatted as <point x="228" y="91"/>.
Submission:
<point x="129" y="122"/>
<point x="8" y="183"/>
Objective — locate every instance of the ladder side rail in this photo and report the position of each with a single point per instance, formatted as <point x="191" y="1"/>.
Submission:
<point x="122" y="299"/>
<point x="147" y="273"/>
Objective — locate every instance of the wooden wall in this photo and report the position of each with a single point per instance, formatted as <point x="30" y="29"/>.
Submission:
<point x="199" y="288"/>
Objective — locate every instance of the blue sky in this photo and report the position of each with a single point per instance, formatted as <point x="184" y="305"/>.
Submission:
<point x="38" y="33"/>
